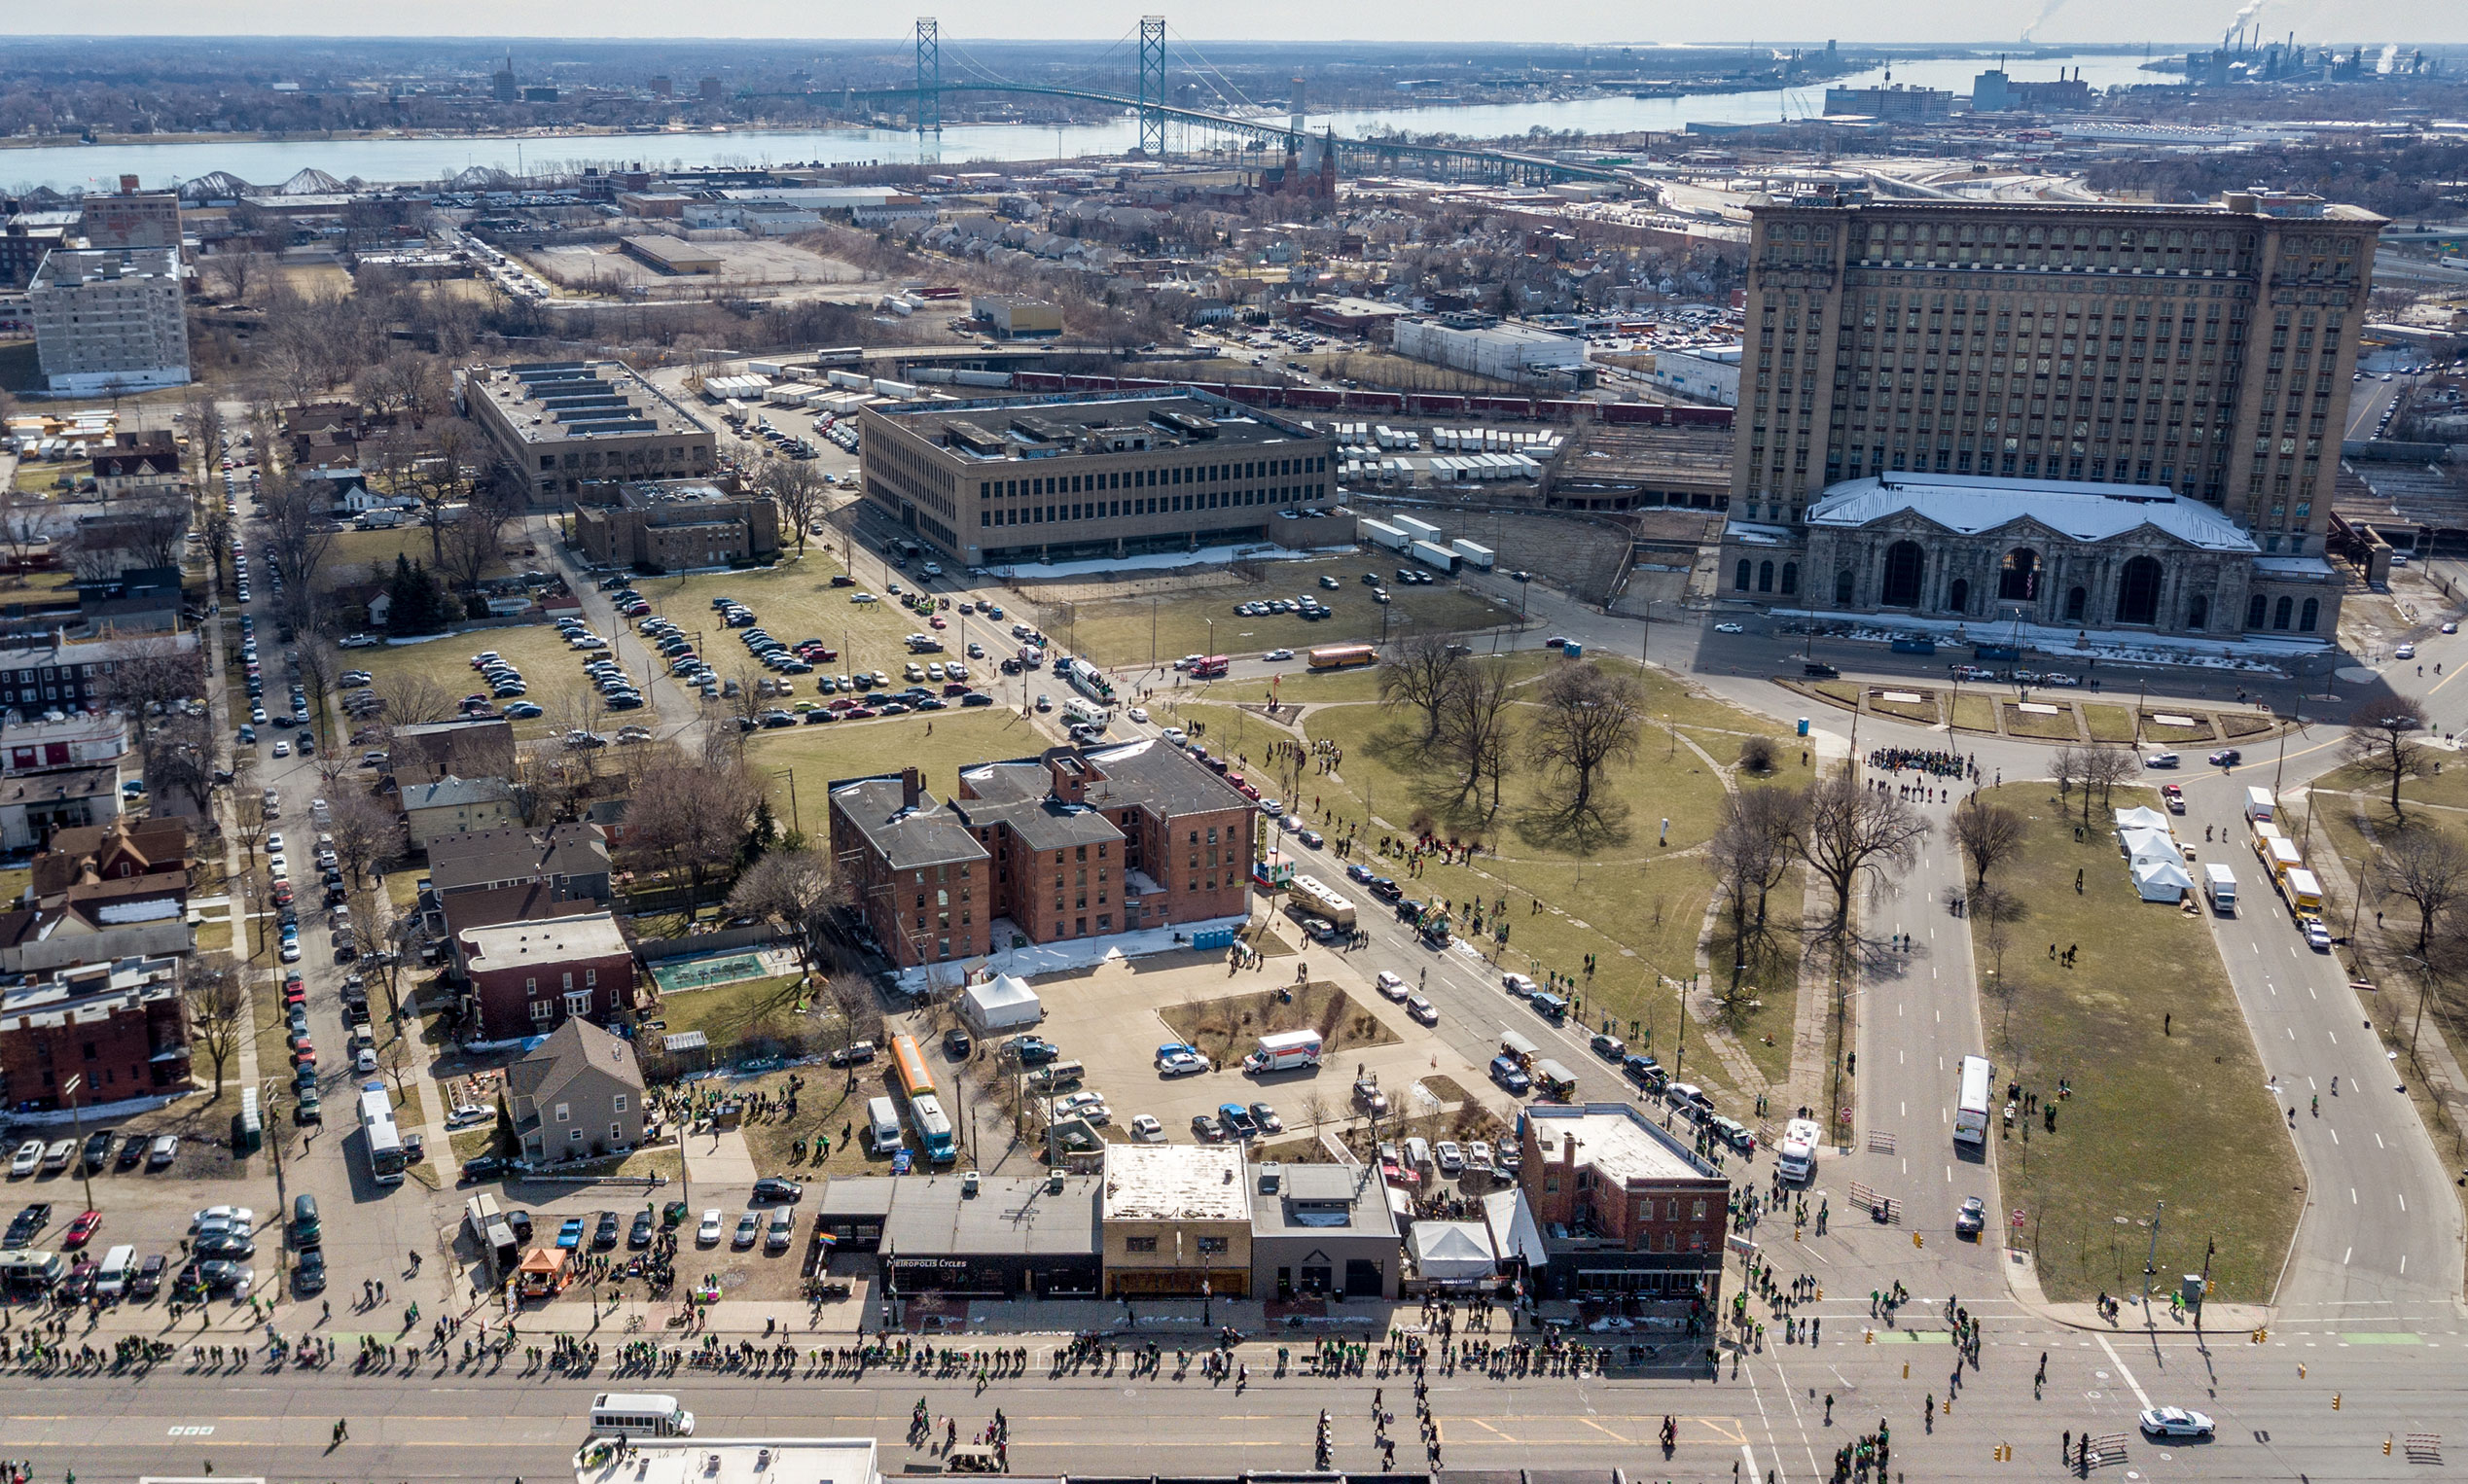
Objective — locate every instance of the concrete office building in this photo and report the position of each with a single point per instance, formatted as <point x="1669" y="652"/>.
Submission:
<point x="2199" y="352"/>
<point x="1484" y="346"/>
<point x="108" y="321"/>
<point x="1898" y="101"/>
<point x="1110" y="475"/>
<point x="674" y="526"/>
<point x="569" y="423"/>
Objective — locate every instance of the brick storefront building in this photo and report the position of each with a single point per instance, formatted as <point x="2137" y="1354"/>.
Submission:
<point x="1627" y="1207"/>
<point x="122" y="1027"/>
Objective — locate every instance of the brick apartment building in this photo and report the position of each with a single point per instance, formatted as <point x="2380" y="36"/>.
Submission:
<point x="121" y="1026"/>
<point x="1075" y="842"/>
<point x="1626" y="1207"/>
<point x="527" y="979"/>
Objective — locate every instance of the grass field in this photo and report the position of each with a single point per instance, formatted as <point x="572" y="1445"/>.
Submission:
<point x="2156" y="731"/>
<point x="2181" y="1117"/>
<point x="1139" y="630"/>
<point x="2024" y="723"/>
<point x="551" y="672"/>
<point x="2109" y="724"/>
<point x="366" y="556"/>
<point x="814" y="755"/>
<point x="729" y="1014"/>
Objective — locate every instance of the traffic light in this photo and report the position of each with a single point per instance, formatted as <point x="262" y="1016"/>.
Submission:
<point x="1948" y="1406"/>
<point x="1867" y="1336"/>
<point x="2334" y="1401"/>
<point x="1906" y="1371"/>
<point x="2261" y="1334"/>
<point x="1916" y="1240"/>
<point x="2387" y="1447"/>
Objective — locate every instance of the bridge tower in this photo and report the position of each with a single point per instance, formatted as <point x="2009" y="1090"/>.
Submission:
<point x="929" y="76"/>
<point x="1153" y="87"/>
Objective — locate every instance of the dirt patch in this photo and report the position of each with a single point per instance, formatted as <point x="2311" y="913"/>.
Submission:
<point x="2059" y="727"/>
<point x="2154" y="732"/>
<point x="1923" y="711"/>
<point x="1222" y="1030"/>
<point x="2237" y="727"/>
<point x="1445" y="1088"/>
<point x="2109" y="724"/>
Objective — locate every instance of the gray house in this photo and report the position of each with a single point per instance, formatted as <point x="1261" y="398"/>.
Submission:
<point x="1320" y="1231"/>
<point x="579" y="1095"/>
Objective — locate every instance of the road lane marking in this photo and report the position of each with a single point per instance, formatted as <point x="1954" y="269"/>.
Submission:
<point x="2335" y="1139"/>
<point x="2119" y="1361"/>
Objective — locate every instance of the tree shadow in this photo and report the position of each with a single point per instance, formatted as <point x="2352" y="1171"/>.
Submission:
<point x="1576" y="831"/>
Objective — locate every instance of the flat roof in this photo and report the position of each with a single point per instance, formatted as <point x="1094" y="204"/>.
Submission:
<point x="554" y="401"/>
<point x="66" y="267"/>
<point x="999" y="428"/>
<point x="738" y="1460"/>
<point x="555" y="940"/>
<point x="1616" y="1141"/>
<point x="1175" y="1183"/>
<point x="1009" y="1215"/>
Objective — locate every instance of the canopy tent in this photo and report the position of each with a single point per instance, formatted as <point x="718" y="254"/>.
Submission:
<point x="1514" y="1231"/>
<point x="2162" y="880"/>
<point x="2140" y="845"/>
<point x="1003" y="1002"/>
<point x="1452" y="1251"/>
<point x="2144" y="818"/>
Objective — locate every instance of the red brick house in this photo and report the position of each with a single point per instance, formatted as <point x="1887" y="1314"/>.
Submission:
<point x="918" y="878"/>
<point x="526" y="978"/>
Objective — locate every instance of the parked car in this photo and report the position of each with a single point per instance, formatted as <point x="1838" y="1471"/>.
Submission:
<point x="772" y="1187"/>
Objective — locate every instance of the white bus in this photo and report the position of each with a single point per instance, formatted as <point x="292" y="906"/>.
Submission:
<point x="385" y="1143"/>
<point x="640" y="1415"/>
<point x="1970" y="1113"/>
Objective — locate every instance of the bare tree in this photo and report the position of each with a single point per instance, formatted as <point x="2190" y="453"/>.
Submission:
<point x="218" y="1004"/>
<point x="22" y="524"/>
<point x="156" y="679"/>
<point x="2381" y="742"/>
<point x="797" y="487"/>
<point x="1477" y="726"/>
<point x="1995" y="911"/>
<point x="181" y="752"/>
<point x="1591" y="718"/>
<point x="414" y="701"/>
<point x="1989" y="836"/>
<point x="248" y="821"/>
<point x="860" y="1012"/>
<point x="302" y="534"/>
<point x="2429" y="868"/>
<point x="2095" y="769"/>
<point x="694" y="818"/>
<point x="1852" y="833"/>
<point x="1315" y="1110"/>
<point x="1420" y="673"/>
<point x="1751" y="853"/>
<point x="236" y="274"/>
<point x="795" y="891"/>
<point x="367" y="834"/>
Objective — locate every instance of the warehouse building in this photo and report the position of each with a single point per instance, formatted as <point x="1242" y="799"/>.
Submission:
<point x="974" y="1236"/>
<point x="565" y="424"/>
<point x="1012" y="318"/>
<point x="1108" y="475"/>
<point x="108" y="321"/>
<point x="672" y="254"/>
<point x="1484" y="346"/>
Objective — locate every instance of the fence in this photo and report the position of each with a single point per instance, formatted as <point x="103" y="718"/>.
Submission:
<point x="2424" y="1447"/>
<point x="652" y="950"/>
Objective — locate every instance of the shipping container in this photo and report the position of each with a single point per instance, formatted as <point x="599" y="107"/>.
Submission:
<point x="1433" y="556"/>
<point x="1474" y="555"/>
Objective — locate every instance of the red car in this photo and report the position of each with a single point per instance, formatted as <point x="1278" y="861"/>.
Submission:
<point x="2174" y="797"/>
<point x="82" y="1230"/>
<point x="305" y="1056"/>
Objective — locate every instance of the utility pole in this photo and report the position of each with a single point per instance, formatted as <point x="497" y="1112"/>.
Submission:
<point x="2150" y="1263"/>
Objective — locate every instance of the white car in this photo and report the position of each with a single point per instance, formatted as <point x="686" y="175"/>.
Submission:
<point x="1449" y="1158"/>
<point x="1146" y="1130"/>
<point x="465" y="1114"/>
<point x="28" y="1160"/>
<point x="1423" y="1010"/>
<point x="274" y="843"/>
<point x="708" y="1232"/>
<point x="2176" y="1422"/>
<point x="1138" y="713"/>
<point x="1176" y="735"/>
<point x="1083" y="1105"/>
<point x="2160" y="760"/>
<point x="2405" y="652"/>
<point x="282" y="749"/>
<point x="1392" y="985"/>
<point x="1523" y="986"/>
<point x="223" y="1218"/>
<point x="290" y="953"/>
<point x="2317" y="936"/>
<point x="1276" y="654"/>
<point x="1730" y="629"/>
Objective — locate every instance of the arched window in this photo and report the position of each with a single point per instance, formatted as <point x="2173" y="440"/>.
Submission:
<point x="2281" y="611"/>
<point x="1842" y="588"/>
<point x="2019" y="576"/>
<point x="2197" y="613"/>
<point x="1905" y="566"/>
<point x="1765" y="576"/>
<point x="2138" y="592"/>
<point x="2306" y="615"/>
<point x="2076" y="599"/>
<point x="1740" y="582"/>
<point x="1789" y="577"/>
<point x="1958" y="596"/>
<point x="2254" y="611"/>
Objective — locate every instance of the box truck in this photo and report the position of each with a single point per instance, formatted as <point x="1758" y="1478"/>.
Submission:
<point x="2219" y="885"/>
<point x="1285" y="1051"/>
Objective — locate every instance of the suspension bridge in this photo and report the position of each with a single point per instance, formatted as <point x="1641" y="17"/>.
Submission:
<point x="1254" y="133"/>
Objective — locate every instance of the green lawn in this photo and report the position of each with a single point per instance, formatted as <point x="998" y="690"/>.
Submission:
<point x="2109" y="724"/>
<point x="1973" y="712"/>
<point x="2181" y="1117"/>
<point x="1168" y="624"/>
<point x="817" y="754"/>
<point x="551" y="671"/>
<point x="729" y="1014"/>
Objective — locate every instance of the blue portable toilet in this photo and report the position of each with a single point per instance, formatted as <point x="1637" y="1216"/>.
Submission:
<point x="1803" y="727"/>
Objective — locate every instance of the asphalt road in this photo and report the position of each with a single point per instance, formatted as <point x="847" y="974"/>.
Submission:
<point x="1773" y="1415"/>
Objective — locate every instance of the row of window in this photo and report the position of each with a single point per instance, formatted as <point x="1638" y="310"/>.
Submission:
<point x="1145" y="504"/>
<point x="1149" y="478"/>
<point x="1209" y="1247"/>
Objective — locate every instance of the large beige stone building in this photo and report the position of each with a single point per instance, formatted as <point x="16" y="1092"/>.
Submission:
<point x="108" y="321"/>
<point x="1909" y="358"/>
<point x="565" y="424"/>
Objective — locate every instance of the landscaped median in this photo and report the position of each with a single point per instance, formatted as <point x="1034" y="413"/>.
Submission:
<point x="2169" y="1100"/>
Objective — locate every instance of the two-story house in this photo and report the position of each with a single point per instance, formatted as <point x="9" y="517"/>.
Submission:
<point x="579" y="1095"/>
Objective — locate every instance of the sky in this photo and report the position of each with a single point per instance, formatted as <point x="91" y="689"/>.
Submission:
<point x="1581" y="22"/>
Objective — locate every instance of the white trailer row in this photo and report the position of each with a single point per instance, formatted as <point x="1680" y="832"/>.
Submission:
<point x="1483" y="468"/>
<point x="1433" y="554"/>
<point x="1541" y="444"/>
<point x="1420" y="530"/>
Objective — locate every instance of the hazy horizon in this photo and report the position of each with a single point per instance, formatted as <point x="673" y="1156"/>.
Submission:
<point x="2167" y="23"/>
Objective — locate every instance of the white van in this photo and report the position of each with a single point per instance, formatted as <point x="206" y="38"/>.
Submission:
<point x="111" y="1280"/>
<point x="882" y="1126"/>
<point x="1797" y="1155"/>
<point x="1418" y="1152"/>
<point x="640" y="1415"/>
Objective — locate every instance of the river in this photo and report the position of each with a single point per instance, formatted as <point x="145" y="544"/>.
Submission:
<point x="268" y="164"/>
